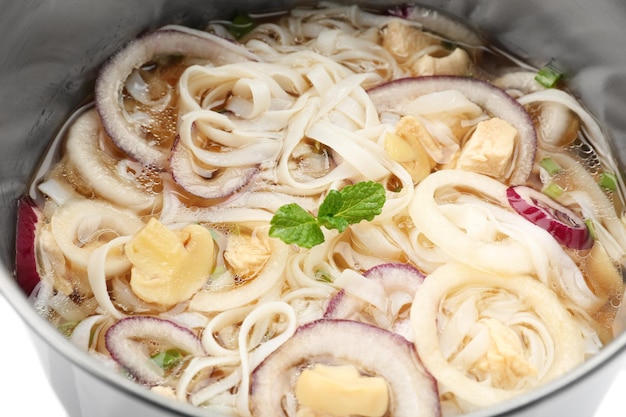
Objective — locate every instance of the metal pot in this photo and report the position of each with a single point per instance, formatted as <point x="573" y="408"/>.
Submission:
<point x="49" y="55"/>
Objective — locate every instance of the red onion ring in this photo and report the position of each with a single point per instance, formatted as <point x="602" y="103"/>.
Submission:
<point x="394" y="95"/>
<point x="25" y="261"/>
<point x="223" y="182"/>
<point x="562" y="223"/>
<point x="110" y="81"/>
<point x="121" y="341"/>
<point x="371" y="349"/>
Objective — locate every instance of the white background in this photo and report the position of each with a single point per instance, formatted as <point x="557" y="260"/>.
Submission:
<point x="24" y="387"/>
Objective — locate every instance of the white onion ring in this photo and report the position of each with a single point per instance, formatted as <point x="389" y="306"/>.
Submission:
<point x="95" y="217"/>
<point x="83" y="152"/>
<point x="568" y="341"/>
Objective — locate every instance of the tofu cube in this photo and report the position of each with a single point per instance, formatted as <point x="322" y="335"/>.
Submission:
<point x="490" y="149"/>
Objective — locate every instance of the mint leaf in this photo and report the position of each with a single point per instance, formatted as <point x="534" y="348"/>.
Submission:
<point x="331" y="222"/>
<point x="332" y="204"/>
<point x="361" y="201"/>
<point x="293" y="224"/>
<point x="350" y="205"/>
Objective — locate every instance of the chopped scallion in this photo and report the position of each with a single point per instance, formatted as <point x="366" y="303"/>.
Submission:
<point x="216" y="236"/>
<point x="608" y="181"/>
<point x="591" y="228"/>
<point x="550" y="165"/>
<point x="553" y="190"/>
<point x="548" y="76"/>
<point x="167" y="359"/>
<point x="323" y="276"/>
<point x="67" y="328"/>
<point x="241" y="25"/>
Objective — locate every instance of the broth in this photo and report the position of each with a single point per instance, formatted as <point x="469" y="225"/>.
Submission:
<point x="235" y="221"/>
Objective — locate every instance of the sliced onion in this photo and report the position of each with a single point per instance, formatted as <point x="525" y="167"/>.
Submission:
<point x="562" y="223"/>
<point x="518" y="83"/>
<point x="372" y="350"/>
<point x="110" y="83"/>
<point x="398" y="282"/>
<point x="396" y="96"/>
<point x="223" y="182"/>
<point x="97" y="169"/>
<point x="543" y="325"/>
<point x="87" y="331"/>
<point x="507" y="256"/>
<point x="128" y="339"/>
<point x="25" y="261"/>
<point x="79" y="225"/>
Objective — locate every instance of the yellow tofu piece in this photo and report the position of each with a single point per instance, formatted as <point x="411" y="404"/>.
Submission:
<point x="169" y="266"/>
<point x="342" y="391"/>
<point x="490" y="149"/>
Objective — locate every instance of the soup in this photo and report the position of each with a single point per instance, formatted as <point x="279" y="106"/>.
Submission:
<point x="328" y="211"/>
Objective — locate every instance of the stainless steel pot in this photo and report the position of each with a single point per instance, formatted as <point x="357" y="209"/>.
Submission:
<point x="49" y="55"/>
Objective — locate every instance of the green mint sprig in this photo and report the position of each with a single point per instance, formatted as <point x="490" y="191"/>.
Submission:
<point x="350" y="205"/>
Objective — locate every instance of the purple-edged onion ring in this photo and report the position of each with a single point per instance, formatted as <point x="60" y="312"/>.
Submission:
<point x="110" y="83"/>
<point x="413" y="392"/>
<point x="395" y="95"/>
<point x="218" y="184"/>
<point x="399" y="281"/>
<point x="128" y="338"/>
<point x="562" y="223"/>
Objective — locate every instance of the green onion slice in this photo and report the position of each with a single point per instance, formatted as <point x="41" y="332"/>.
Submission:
<point x="608" y="181"/>
<point x="553" y="190"/>
<point x="548" y="76"/>
<point x="241" y="25"/>
<point x="550" y="165"/>
<point x="167" y="359"/>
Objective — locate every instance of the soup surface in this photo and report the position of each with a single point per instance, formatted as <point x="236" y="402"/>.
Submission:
<point x="328" y="212"/>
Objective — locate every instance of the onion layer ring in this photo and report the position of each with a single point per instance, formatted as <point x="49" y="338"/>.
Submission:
<point x="567" y="341"/>
<point x="495" y="101"/>
<point x="111" y="80"/>
<point x="413" y="391"/>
